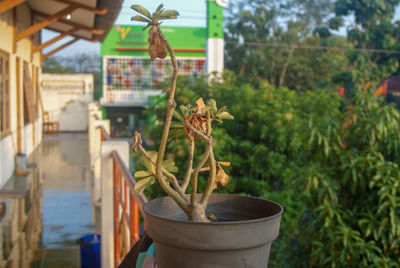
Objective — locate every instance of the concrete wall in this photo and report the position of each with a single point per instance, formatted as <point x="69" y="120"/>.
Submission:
<point x="8" y="141"/>
<point x="66" y="98"/>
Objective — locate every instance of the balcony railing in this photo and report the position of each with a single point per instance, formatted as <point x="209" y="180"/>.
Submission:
<point x="127" y="206"/>
<point x="128" y="97"/>
<point x="115" y="186"/>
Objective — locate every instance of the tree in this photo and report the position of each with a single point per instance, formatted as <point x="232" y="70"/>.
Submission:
<point x="265" y="43"/>
<point x="373" y="30"/>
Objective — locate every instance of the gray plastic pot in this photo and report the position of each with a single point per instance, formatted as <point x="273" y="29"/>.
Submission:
<point x="242" y="236"/>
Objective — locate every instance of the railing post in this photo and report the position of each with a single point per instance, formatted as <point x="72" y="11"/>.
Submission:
<point x="96" y="154"/>
<point x="91" y="109"/>
<point x="134" y="221"/>
<point x="107" y="211"/>
<point x="92" y="142"/>
<point x="116" y="186"/>
<point x="94" y="114"/>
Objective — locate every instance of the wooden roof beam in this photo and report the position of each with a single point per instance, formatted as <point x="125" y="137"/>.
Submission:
<point x="59" y="48"/>
<point x="74" y="24"/>
<point x="73" y="35"/>
<point x="55" y="39"/>
<point x="45" y="22"/>
<point x="86" y="7"/>
<point x="9" y="4"/>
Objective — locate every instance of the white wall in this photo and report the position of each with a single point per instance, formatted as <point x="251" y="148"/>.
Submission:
<point x="8" y="143"/>
<point x="66" y="98"/>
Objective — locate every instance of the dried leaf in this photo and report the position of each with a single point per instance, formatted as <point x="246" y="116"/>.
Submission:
<point x="197" y="121"/>
<point x="137" y="141"/>
<point x="200" y="105"/>
<point x="221" y="177"/>
<point x="226" y="164"/>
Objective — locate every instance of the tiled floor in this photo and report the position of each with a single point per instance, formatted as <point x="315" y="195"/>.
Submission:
<point x="57" y="209"/>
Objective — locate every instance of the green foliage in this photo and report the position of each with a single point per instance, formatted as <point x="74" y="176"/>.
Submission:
<point x="341" y="203"/>
<point x="153" y="19"/>
<point x="339" y="185"/>
<point x="374" y="28"/>
<point x="271" y="42"/>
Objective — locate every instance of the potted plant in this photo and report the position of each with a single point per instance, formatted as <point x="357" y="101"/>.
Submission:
<point x="198" y="230"/>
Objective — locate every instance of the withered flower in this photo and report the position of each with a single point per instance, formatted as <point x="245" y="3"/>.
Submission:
<point x="158" y="47"/>
<point x="198" y="120"/>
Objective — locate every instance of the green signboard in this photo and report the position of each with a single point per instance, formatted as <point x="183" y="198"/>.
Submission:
<point x="128" y="40"/>
<point x="215" y="20"/>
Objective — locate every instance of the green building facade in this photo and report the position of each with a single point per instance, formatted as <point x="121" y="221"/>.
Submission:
<point x="130" y="78"/>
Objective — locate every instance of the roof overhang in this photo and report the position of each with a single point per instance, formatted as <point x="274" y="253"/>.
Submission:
<point x="82" y="19"/>
<point x="88" y="19"/>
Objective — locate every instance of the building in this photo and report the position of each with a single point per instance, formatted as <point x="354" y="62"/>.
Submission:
<point x="66" y="97"/>
<point x="130" y="78"/>
<point x="21" y="59"/>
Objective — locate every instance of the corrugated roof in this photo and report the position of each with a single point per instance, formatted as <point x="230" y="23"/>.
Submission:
<point x="106" y="22"/>
<point x="86" y="17"/>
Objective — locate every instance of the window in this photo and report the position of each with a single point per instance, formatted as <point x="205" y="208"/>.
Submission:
<point x="4" y="93"/>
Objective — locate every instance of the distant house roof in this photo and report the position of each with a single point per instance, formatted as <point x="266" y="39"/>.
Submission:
<point x="390" y="88"/>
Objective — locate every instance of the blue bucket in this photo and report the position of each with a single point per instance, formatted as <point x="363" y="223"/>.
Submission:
<point x="90" y="251"/>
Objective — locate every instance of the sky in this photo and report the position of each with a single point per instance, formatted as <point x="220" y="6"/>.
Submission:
<point x="192" y="13"/>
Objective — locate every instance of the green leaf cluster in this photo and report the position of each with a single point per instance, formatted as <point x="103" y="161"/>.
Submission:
<point x="146" y="178"/>
<point x="153" y="19"/>
<point x="185" y="111"/>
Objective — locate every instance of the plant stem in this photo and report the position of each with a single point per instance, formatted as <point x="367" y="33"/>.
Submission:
<point x="211" y="181"/>
<point x="188" y="174"/>
<point x="165" y="172"/>
<point x="211" y="178"/>
<point x="164" y="138"/>
<point x="196" y="172"/>
<point x="194" y="190"/>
